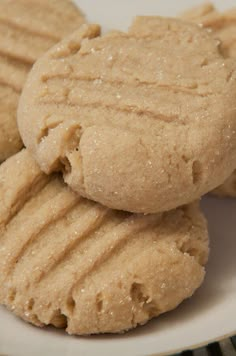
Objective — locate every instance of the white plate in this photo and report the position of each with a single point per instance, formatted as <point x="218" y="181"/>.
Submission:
<point x="210" y="315"/>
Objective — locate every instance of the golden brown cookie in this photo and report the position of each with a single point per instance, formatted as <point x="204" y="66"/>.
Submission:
<point x="223" y="27"/>
<point x="73" y="263"/>
<point x="27" y="29"/>
<point x="130" y="125"/>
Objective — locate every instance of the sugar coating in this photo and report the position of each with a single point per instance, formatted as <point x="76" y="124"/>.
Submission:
<point x="137" y="121"/>
<point x="27" y="29"/>
<point x="72" y="263"/>
<point x="223" y="27"/>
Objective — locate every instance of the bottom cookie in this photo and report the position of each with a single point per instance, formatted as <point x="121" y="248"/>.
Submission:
<point x="74" y="264"/>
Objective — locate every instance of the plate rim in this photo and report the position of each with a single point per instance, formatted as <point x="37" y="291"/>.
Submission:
<point x="192" y="347"/>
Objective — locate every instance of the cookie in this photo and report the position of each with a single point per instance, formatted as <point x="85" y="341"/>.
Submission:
<point x="27" y="29"/>
<point x="223" y="26"/>
<point x="130" y="125"/>
<point x="10" y="141"/>
<point x="76" y="264"/>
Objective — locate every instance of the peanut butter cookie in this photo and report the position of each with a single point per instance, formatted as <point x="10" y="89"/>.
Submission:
<point x="27" y="29"/>
<point x="137" y="121"/>
<point x="75" y="264"/>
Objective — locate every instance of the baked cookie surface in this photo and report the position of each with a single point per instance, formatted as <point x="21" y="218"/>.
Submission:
<point x="223" y="27"/>
<point x="73" y="263"/>
<point x="130" y="125"/>
<point x="27" y="29"/>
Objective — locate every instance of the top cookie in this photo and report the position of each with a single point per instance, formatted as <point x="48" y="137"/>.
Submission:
<point x="137" y="121"/>
<point x="28" y="28"/>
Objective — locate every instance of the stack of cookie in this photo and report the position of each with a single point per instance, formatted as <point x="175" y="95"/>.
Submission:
<point x="100" y="222"/>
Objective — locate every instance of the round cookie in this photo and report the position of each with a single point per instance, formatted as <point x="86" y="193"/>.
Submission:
<point x="223" y="27"/>
<point x="130" y="125"/>
<point x="28" y="28"/>
<point x="75" y="264"/>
